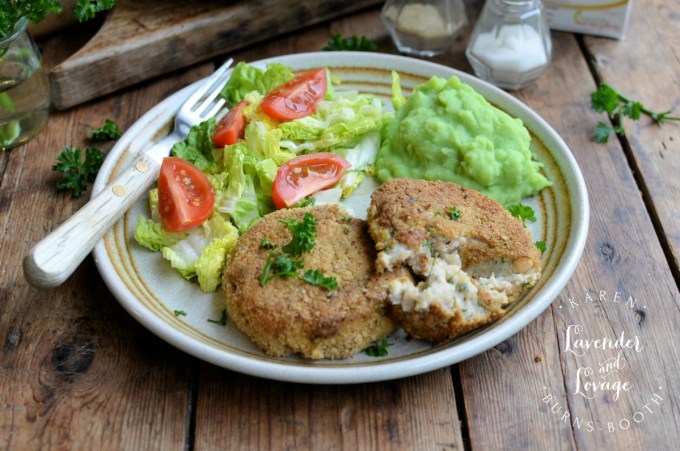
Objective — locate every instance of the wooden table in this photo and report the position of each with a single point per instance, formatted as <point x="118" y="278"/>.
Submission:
<point x="77" y="372"/>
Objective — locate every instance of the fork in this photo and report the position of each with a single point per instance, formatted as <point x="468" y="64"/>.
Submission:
<point x="52" y="260"/>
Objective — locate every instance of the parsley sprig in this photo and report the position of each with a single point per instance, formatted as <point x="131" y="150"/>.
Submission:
<point x="288" y="261"/>
<point x="523" y="212"/>
<point x="357" y="43"/>
<point x="278" y="265"/>
<point x="378" y="349"/>
<point x="304" y="235"/>
<point x="106" y="132"/>
<point x="316" y="278"/>
<point x="36" y="11"/>
<point x="77" y="173"/>
<point x="608" y="100"/>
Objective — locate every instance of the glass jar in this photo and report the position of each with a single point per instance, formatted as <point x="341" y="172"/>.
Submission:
<point x="24" y="90"/>
<point x="424" y="27"/>
<point x="510" y="45"/>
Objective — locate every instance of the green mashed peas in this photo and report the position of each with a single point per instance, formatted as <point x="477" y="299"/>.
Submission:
<point x="447" y="131"/>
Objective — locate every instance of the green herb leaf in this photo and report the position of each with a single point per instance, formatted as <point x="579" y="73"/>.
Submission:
<point x="266" y="244"/>
<point x="108" y="131"/>
<point x="87" y="9"/>
<point x="316" y="278"/>
<point x="77" y="173"/>
<point x="378" y="349"/>
<point x="34" y="10"/>
<point x="540" y="245"/>
<point x="523" y="212"/>
<point x="602" y="132"/>
<point x="278" y="265"/>
<point x="179" y="313"/>
<point x="306" y="202"/>
<point x="304" y="235"/>
<point x="357" y="43"/>
<point x="454" y="212"/>
<point x="604" y="99"/>
<point x="222" y="321"/>
<point x="608" y="100"/>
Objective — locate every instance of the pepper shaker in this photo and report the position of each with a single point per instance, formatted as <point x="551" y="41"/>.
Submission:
<point x="510" y="45"/>
<point x="424" y="27"/>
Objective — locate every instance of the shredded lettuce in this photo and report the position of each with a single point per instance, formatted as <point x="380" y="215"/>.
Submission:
<point x="197" y="148"/>
<point x="152" y="235"/>
<point x="338" y="123"/>
<point x="246" y="78"/>
<point x="204" y="251"/>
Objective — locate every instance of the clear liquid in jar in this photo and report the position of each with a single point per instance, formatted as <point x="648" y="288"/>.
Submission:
<point x="24" y="105"/>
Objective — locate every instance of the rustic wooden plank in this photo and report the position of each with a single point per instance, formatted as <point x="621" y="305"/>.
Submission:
<point x="645" y="66"/>
<point x="140" y="40"/>
<point x="622" y="255"/>
<point x="76" y="371"/>
<point x="242" y="412"/>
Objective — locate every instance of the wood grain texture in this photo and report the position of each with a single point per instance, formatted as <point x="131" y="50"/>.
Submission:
<point x="141" y="40"/>
<point x="618" y="258"/>
<point x="645" y="66"/>
<point x="76" y="371"/>
<point x="241" y="412"/>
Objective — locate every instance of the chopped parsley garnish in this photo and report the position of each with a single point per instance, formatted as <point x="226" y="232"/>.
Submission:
<point x="607" y="100"/>
<point x="523" y="212"/>
<point x="77" y="173"/>
<point x="87" y="9"/>
<point x="454" y="212"/>
<point x="109" y="130"/>
<point x="179" y="313"/>
<point x="378" y="349"/>
<point x="278" y="265"/>
<point x="357" y="43"/>
<point x="266" y="244"/>
<point x="345" y="230"/>
<point x="347" y="218"/>
<point x="222" y="321"/>
<point x="540" y="245"/>
<point x="304" y="234"/>
<point x="314" y="277"/>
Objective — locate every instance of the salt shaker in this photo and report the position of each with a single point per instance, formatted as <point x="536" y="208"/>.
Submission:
<point x="510" y="45"/>
<point x="424" y="27"/>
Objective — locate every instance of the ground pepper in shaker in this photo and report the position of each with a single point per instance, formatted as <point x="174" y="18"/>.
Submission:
<point x="510" y="45"/>
<point x="424" y="27"/>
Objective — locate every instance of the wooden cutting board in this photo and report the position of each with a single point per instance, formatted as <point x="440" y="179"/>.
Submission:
<point x="143" y="39"/>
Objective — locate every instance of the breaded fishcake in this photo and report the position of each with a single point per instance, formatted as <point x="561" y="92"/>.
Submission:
<point x="468" y="257"/>
<point x="288" y="315"/>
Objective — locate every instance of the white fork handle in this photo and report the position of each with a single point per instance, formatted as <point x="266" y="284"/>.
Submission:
<point x="50" y="262"/>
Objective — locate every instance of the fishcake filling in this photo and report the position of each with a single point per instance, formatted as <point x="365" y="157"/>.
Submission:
<point x="445" y="283"/>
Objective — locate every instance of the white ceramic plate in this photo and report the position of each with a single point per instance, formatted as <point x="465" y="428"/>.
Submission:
<point x="151" y="291"/>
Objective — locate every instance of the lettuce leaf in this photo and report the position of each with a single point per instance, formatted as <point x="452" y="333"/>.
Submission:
<point x="197" y="148"/>
<point x="204" y="251"/>
<point x="152" y="235"/>
<point x="246" y="78"/>
<point x="341" y="122"/>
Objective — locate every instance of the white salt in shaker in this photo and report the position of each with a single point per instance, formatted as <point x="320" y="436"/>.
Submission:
<point x="424" y="27"/>
<point x="510" y="45"/>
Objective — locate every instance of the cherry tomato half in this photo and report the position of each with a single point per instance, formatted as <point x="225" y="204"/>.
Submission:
<point x="302" y="176"/>
<point x="185" y="195"/>
<point x="231" y="127"/>
<point x="298" y="97"/>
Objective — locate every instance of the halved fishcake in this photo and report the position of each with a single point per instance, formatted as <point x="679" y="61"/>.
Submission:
<point x="467" y="256"/>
